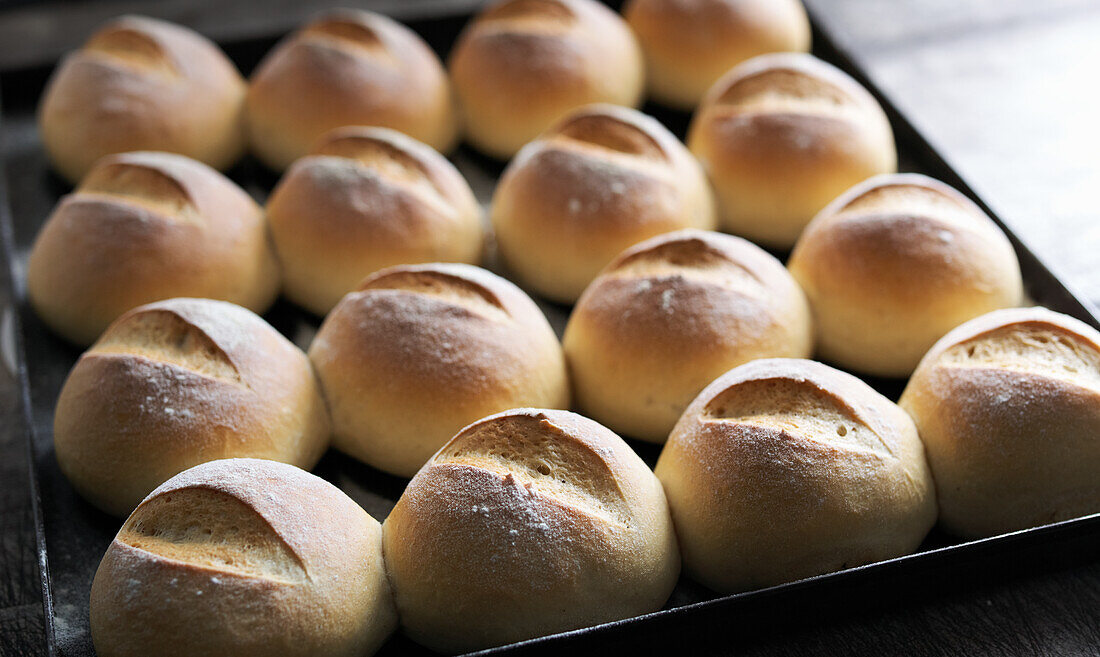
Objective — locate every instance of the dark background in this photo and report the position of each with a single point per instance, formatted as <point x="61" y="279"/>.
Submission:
<point x="1006" y="90"/>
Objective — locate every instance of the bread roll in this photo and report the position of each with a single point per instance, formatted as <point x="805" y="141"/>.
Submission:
<point x="783" y="469"/>
<point x="419" y="351"/>
<point x="243" y="558"/>
<point x="365" y="199"/>
<point x="522" y="64"/>
<point x="177" y="383"/>
<point x="780" y="136"/>
<point x="894" y="264"/>
<point x="143" y="227"/>
<point x="527" y="523"/>
<point x="347" y="67"/>
<point x="1008" y="406"/>
<point x="603" y="178"/>
<point x="670" y="315"/>
<point x="689" y="45"/>
<point x="142" y="84"/>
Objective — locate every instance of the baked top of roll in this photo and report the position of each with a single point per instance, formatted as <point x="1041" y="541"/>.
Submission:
<point x="792" y="86"/>
<point x="282" y="537"/>
<point x="915" y="237"/>
<point x="144" y="226"/>
<point x="544" y="46"/>
<point x="535" y="521"/>
<point x="419" y="351"/>
<point x="787" y="468"/>
<point x="449" y="314"/>
<point x="784" y="110"/>
<point x="407" y="175"/>
<point x="1025" y="341"/>
<point x="141" y="84"/>
<point x="677" y="288"/>
<point x="203" y="337"/>
<point x="668" y="316"/>
<point x="689" y="45"/>
<point x="521" y="64"/>
<point x="894" y="263"/>
<point x="781" y="135"/>
<point x="165" y="186"/>
<point x="259" y="555"/>
<point x="366" y="198"/>
<point x="347" y="67"/>
<point x="1008" y="405"/>
<point x="398" y="158"/>
<point x="602" y="178"/>
<point x="802" y="403"/>
<point x="179" y="382"/>
<point x="623" y="138"/>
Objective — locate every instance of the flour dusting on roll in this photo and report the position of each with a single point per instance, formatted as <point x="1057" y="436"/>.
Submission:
<point x="176" y="383"/>
<point x="670" y="315"/>
<point x="1008" y="406"/>
<point x="520" y="65"/>
<point x="781" y="136"/>
<point x="528" y="522"/>
<point x="143" y="227"/>
<point x="243" y="558"/>
<point x="784" y="468"/>
<point x="419" y="351"/>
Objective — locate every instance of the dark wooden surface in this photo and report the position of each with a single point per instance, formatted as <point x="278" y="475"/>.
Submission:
<point x="1005" y="89"/>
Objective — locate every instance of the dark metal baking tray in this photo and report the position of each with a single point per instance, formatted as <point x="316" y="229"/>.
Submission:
<point x="72" y="535"/>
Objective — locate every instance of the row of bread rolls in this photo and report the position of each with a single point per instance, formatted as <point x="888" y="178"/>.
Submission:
<point x="779" y="136"/>
<point x="417" y="352"/>
<point x="143" y="84"/>
<point x="887" y="268"/>
<point x="530" y="522"/>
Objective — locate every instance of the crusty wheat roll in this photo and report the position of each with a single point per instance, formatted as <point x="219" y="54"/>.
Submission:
<point x="523" y="64"/>
<point x="602" y="179"/>
<point x="142" y="227"/>
<point x="527" y="523"/>
<point x="243" y="558"/>
<point x="347" y="67"/>
<point x="895" y="263"/>
<point x="670" y="315"/>
<point x="365" y="199"/>
<point x="1008" y="406"/>
<point x="142" y="84"/>
<point x="783" y="469"/>
<point x="781" y="136"/>
<point x="180" y="382"/>
<point x="689" y="45"/>
<point x="419" y="351"/>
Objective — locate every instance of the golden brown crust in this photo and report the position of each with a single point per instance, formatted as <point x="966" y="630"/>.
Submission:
<point x="177" y="383"/>
<point x="143" y="84"/>
<point x="262" y="557"/>
<point x="522" y="64"/>
<point x="688" y="45"/>
<point x="347" y="67"/>
<point x="363" y="200"/>
<point x="142" y="227"/>
<point x="602" y="179"/>
<point x="1008" y="407"/>
<point x="419" y="351"/>
<point x="780" y="136"/>
<point x="671" y="314"/>
<point x="783" y="469"/>
<point x="534" y="521"/>
<point x="893" y="264"/>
